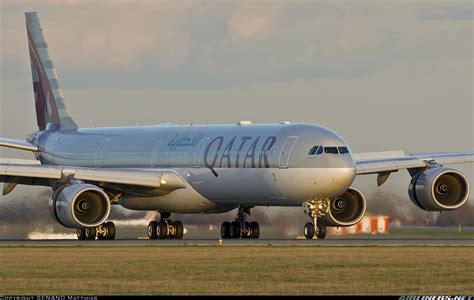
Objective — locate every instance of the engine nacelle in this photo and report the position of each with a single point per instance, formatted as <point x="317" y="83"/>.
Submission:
<point x="346" y="210"/>
<point x="439" y="189"/>
<point x="80" y="205"/>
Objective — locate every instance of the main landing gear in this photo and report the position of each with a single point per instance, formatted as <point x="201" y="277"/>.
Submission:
<point x="240" y="228"/>
<point x="316" y="209"/>
<point x="165" y="228"/>
<point x="105" y="231"/>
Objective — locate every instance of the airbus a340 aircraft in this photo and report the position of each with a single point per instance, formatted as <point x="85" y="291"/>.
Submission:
<point x="187" y="169"/>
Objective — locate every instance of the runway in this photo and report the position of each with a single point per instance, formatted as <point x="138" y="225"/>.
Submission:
<point x="339" y="242"/>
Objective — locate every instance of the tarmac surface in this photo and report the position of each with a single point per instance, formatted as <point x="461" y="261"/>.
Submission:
<point x="342" y="242"/>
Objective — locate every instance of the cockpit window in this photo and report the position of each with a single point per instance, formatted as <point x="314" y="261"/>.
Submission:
<point x="343" y="150"/>
<point x="320" y="150"/>
<point x="332" y="150"/>
<point x="315" y="150"/>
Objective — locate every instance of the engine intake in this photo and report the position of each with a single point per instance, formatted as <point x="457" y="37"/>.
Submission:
<point x="439" y="189"/>
<point x="346" y="210"/>
<point x="80" y="205"/>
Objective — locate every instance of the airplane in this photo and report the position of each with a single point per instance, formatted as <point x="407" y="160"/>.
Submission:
<point x="190" y="169"/>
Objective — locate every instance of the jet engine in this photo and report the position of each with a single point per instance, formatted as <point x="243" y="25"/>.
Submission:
<point x="346" y="210"/>
<point x="439" y="189"/>
<point x="80" y="205"/>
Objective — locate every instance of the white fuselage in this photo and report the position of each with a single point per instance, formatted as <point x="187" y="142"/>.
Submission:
<point x="224" y="166"/>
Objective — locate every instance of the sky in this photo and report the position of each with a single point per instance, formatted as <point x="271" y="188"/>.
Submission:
<point x="385" y="75"/>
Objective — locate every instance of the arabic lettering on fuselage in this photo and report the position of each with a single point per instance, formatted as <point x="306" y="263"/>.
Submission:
<point x="244" y="148"/>
<point x="184" y="140"/>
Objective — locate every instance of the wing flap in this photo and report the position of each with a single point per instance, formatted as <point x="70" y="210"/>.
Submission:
<point x="14" y="161"/>
<point x="139" y="178"/>
<point x="36" y="171"/>
<point x="17" y="144"/>
<point x="166" y="179"/>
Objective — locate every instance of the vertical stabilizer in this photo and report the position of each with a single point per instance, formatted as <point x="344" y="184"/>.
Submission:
<point x="49" y="99"/>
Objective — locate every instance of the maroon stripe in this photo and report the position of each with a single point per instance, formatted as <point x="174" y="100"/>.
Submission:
<point x="42" y="88"/>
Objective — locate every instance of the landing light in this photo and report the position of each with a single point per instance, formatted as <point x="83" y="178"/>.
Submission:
<point x="162" y="181"/>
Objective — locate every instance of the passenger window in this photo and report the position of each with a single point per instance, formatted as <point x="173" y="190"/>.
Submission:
<point x="343" y="150"/>
<point x="331" y="150"/>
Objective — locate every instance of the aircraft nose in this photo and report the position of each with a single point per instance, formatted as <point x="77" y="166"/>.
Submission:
<point x="339" y="181"/>
<point x="347" y="175"/>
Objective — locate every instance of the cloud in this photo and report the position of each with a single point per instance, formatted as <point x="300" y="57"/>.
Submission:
<point x="208" y="44"/>
<point x="251" y="19"/>
<point x="110" y="35"/>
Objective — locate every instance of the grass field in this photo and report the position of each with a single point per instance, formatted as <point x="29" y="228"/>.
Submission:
<point x="219" y="270"/>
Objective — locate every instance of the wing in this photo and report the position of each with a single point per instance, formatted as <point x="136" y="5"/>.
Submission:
<point x="29" y="172"/>
<point x="384" y="163"/>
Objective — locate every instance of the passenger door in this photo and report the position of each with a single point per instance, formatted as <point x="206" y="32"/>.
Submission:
<point x="199" y="154"/>
<point x="286" y="152"/>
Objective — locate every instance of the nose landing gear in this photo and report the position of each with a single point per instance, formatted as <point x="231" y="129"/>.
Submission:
<point x="240" y="228"/>
<point x="316" y="209"/>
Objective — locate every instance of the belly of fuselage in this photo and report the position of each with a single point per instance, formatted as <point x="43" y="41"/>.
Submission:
<point x="270" y="186"/>
<point x="207" y="192"/>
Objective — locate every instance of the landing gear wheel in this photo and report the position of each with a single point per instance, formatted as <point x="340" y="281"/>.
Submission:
<point x="90" y="233"/>
<point x="309" y="230"/>
<point x="225" y="230"/>
<point x="179" y="230"/>
<point x="110" y="226"/>
<point x="247" y="232"/>
<point x="161" y="230"/>
<point x="151" y="230"/>
<point x="100" y="236"/>
<point x="170" y="230"/>
<point x="234" y="230"/>
<point x="320" y="231"/>
<point x="255" y="230"/>
<point x="81" y="234"/>
<point x="240" y="228"/>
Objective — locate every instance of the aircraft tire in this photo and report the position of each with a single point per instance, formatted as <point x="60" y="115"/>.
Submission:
<point x="161" y="230"/>
<point x="247" y="233"/>
<point x="151" y="230"/>
<point x="235" y="230"/>
<point x="309" y="230"/>
<point x="90" y="233"/>
<point x="255" y="230"/>
<point x="110" y="231"/>
<point x="81" y="234"/>
<point x="320" y="231"/>
<point x="225" y="230"/>
<point x="179" y="230"/>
